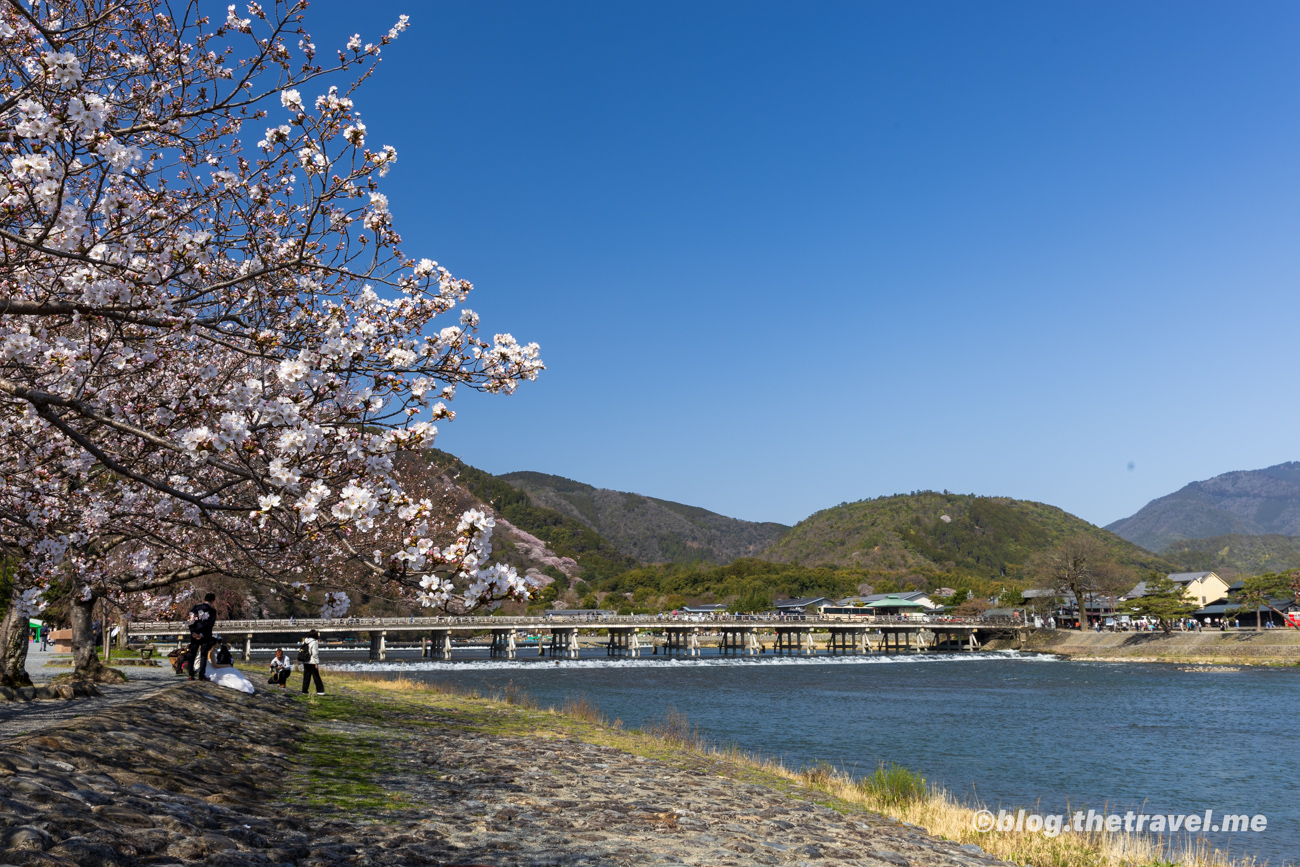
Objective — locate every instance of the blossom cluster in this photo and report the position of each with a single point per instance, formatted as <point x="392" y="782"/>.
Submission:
<point x="212" y="351"/>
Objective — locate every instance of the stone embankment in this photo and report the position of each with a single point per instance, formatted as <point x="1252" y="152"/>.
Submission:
<point x="1238" y="647"/>
<point x="200" y="775"/>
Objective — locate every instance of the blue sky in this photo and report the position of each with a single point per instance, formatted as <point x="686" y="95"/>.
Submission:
<point x="780" y="256"/>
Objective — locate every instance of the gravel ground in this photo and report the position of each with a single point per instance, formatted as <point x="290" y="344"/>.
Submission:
<point x="18" y="717"/>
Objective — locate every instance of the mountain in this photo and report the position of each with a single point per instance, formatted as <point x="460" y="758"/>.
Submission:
<point x="1246" y="502"/>
<point x="646" y="528"/>
<point x="929" y="532"/>
<point x="535" y="538"/>
<point x="1236" y="554"/>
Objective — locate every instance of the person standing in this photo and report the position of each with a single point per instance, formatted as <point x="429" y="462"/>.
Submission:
<point x="201" y="620"/>
<point x="311" y="665"/>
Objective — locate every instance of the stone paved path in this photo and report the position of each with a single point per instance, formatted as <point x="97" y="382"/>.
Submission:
<point x="17" y="717"/>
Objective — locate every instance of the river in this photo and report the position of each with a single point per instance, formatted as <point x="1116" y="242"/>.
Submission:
<point x="1012" y="730"/>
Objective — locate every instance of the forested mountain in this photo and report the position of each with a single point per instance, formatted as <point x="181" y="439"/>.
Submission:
<point x="1246" y="502"/>
<point x="930" y="532"/>
<point x="564" y="535"/>
<point x="646" y="528"/>
<point x="922" y="540"/>
<point x="1236" y="554"/>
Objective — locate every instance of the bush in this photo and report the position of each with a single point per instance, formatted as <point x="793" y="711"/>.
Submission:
<point x="894" y="785"/>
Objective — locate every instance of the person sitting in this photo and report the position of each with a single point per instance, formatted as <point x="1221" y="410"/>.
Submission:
<point x="223" y="671"/>
<point x="281" y="668"/>
<point x="222" y="655"/>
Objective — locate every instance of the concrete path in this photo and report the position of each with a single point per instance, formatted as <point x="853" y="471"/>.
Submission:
<point x="18" y="717"/>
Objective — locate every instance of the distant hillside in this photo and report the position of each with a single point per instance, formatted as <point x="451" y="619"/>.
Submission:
<point x="649" y="529"/>
<point x="930" y="532"/>
<point x="1246" y="502"/>
<point x="1236" y="554"/>
<point x="563" y="535"/>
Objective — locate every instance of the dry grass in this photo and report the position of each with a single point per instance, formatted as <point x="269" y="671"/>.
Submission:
<point x="899" y="793"/>
<point x="583" y="709"/>
<point x="676" y="730"/>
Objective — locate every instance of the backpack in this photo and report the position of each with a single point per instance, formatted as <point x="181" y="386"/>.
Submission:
<point x="304" y="652"/>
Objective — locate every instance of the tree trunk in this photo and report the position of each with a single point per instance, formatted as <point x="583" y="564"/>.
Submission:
<point x="86" y="664"/>
<point x="13" y="647"/>
<point x="1081" y="605"/>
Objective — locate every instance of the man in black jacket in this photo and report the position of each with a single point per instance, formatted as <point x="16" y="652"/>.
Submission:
<point x="201" y="620"/>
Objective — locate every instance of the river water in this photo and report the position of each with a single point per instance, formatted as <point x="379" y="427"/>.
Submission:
<point x="1011" y="730"/>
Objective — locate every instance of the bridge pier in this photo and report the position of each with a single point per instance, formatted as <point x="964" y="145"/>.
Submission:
<point x="375" y="639"/>
<point x="564" y="643"/>
<point x="741" y="640"/>
<point x="248" y="647"/>
<point x="623" y="642"/>
<point x="683" y="641"/>
<point x="954" y="641"/>
<point x="440" y="644"/>
<point x="847" y="640"/>
<point x="731" y="641"/>
<point x="503" y="643"/>
<point x="674" y="641"/>
<point x="896" y="641"/>
<point x="796" y="640"/>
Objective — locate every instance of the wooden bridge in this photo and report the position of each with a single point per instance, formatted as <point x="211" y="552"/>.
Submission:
<point x="738" y="635"/>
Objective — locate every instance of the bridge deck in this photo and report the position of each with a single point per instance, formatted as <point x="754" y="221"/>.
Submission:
<point x="548" y="624"/>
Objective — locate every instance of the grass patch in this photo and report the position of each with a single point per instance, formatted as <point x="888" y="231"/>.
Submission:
<point x="340" y="772"/>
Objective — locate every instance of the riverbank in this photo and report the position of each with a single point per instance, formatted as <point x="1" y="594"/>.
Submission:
<point x="1212" y="647"/>
<point x="393" y="772"/>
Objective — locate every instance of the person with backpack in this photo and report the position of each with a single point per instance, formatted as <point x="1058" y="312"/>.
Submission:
<point x="309" y="656"/>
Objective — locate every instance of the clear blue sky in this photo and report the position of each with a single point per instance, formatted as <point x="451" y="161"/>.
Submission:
<point x="779" y="256"/>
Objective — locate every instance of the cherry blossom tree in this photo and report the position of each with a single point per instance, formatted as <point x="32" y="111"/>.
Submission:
<point x="212" y="344"/>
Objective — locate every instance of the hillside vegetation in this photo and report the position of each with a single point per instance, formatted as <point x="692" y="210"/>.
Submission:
<point x="750" y="584"/>
<point x="1236" y="554"/>
<point x="922" y="541"/>
<point x="565" y="535"/>
<point x="646" y="528"/>
<point x="934" y="534"/>
<point x="1245" y="502"/>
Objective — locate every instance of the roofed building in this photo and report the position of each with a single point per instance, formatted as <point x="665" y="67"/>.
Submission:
<point x="1202" y="588"/>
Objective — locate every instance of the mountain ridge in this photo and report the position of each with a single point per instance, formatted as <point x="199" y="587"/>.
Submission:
<point x="1236" y="554"/>
<point x="1241" y="502"/>
<point x="649" y="529"/>
<point x="932" y="532"/>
